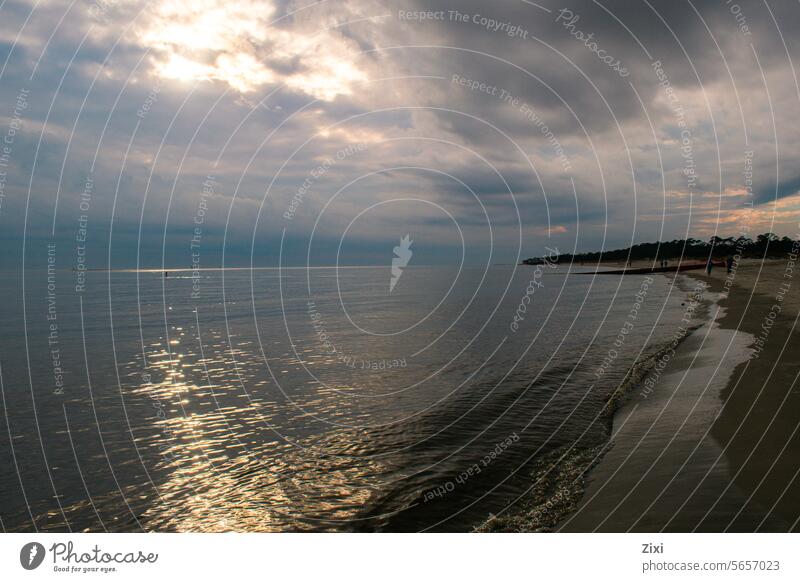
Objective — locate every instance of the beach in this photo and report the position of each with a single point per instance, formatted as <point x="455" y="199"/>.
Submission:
<point x="762" y="405"/>
<point x="704" y="435"/>
<point x="712" y="443"/>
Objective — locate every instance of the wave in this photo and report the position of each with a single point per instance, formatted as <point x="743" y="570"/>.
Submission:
<point x="559" y="477"/>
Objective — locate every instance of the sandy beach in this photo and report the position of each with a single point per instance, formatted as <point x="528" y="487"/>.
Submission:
<point x="761" y="417"/>
<point x="711" y="444"/>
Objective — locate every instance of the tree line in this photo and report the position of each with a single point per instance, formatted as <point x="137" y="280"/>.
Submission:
<point x="767" y="245"/>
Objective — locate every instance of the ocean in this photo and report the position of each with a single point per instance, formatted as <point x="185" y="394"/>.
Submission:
<point x="315" y="399"/>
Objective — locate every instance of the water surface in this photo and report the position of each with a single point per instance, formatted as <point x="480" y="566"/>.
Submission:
<point x="306" y="399"/>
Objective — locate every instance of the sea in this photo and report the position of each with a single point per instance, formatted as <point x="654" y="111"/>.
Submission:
<point x="316" y="399"/>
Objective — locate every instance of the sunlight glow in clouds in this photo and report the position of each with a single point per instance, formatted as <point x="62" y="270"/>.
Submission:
<point x="332" y="77"/>
<point x="237" y="42"/>
<point x="240" y="71"/>
<point x="210" y="40"/>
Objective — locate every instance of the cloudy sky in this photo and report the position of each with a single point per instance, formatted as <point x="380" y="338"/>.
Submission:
<point x="317" y="131"/>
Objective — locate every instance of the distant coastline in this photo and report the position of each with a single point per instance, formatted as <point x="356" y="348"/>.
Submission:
<point x="764" y="246"/>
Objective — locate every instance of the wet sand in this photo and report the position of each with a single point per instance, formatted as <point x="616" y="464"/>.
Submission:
<point x="712" y="443"/>
<point x="761" y="422"/>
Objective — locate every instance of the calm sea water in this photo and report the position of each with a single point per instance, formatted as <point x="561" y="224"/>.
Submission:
<point x="306" y="399"/>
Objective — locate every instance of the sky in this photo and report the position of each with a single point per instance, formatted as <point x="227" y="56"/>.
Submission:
<point x="268" y="132"/>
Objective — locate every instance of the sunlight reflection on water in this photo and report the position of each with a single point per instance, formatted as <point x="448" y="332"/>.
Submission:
<point x="289" y="400"/>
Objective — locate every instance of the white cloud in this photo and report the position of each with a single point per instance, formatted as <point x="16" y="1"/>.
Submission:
<point x="247" y="45"/>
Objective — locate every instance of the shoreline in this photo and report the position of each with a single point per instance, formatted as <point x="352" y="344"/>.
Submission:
<point x="714" y="445"/>
<point x="760" y="428"/>
<point x="561" y="479"/>
<point x="664" y="469"/>
<point x="729" y="462"/>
